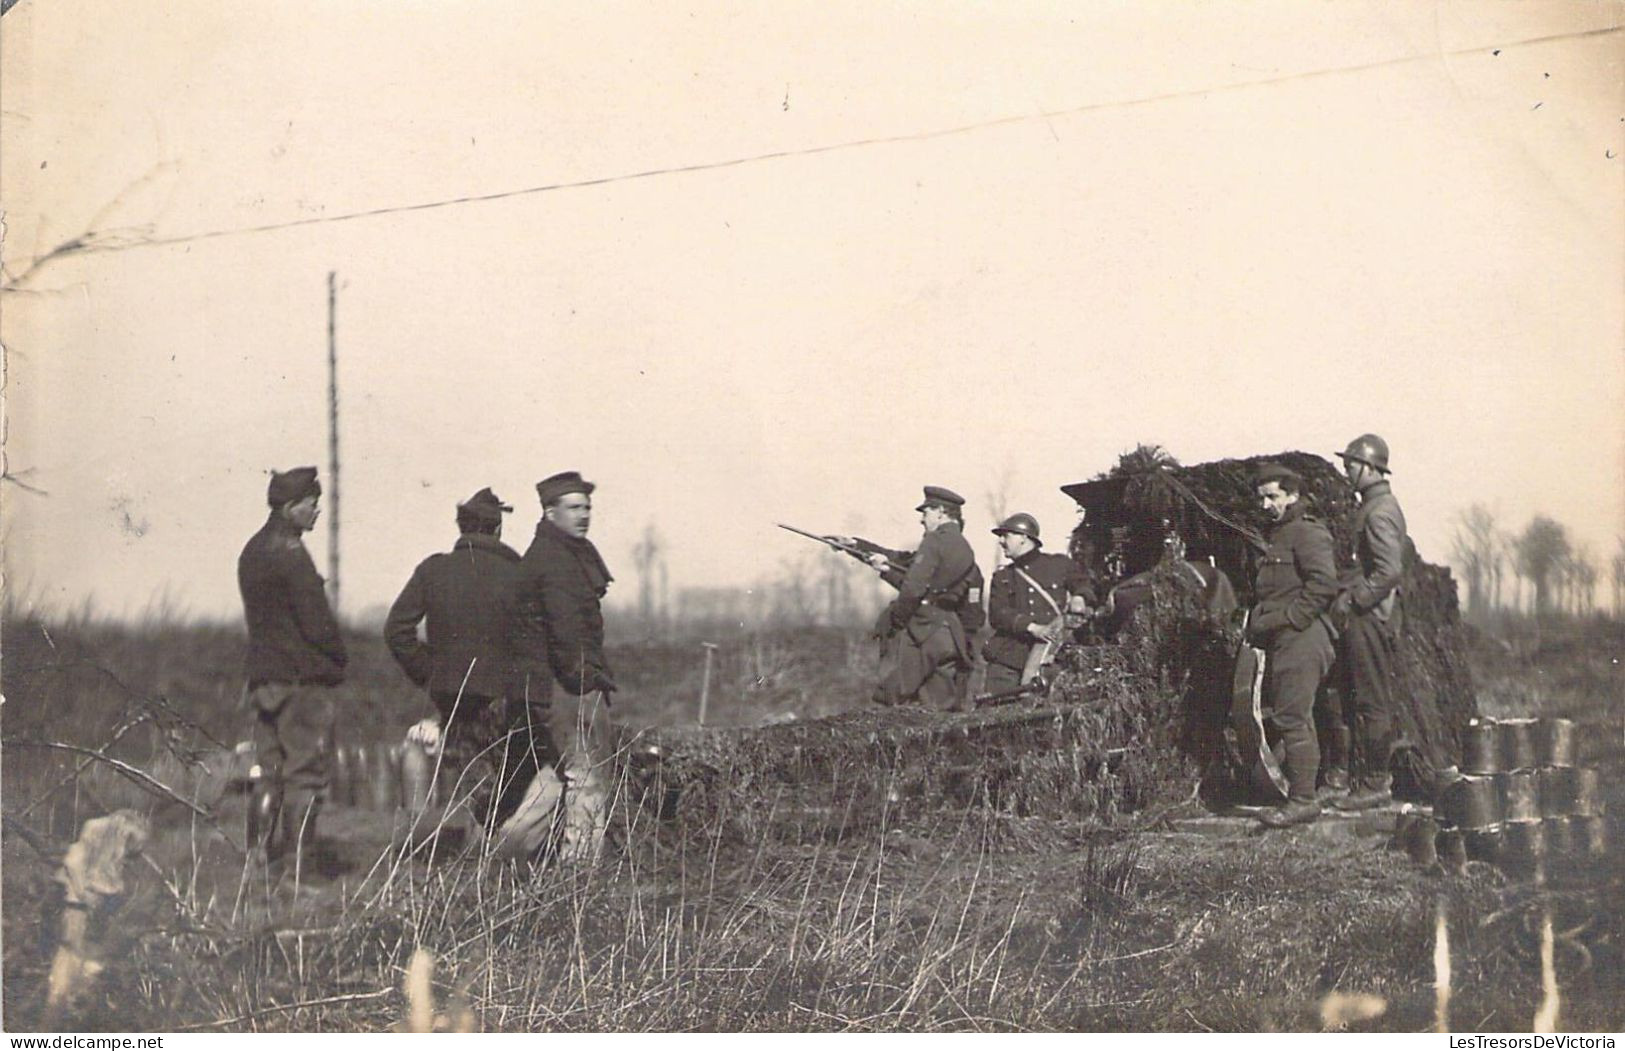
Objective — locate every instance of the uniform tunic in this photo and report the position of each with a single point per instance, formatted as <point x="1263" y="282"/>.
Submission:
<point x="1296" y="581"/>
<point x="480" y="645"/>
<point x="926" y="653"/>
<point x="566" y="584"/>
<point x="1371" y="637"/>
<point x="1014" y="605"/>
<point x="295" y="653"/>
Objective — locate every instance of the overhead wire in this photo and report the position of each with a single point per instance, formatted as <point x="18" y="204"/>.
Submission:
<point x="87" y="244"/>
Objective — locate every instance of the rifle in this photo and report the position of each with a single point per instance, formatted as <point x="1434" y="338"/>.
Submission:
<point x="858" y="548"/>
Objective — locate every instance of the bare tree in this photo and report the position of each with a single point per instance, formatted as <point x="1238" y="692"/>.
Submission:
<point x="998" y="504"/>
<point x="1585" y="581"/>
<point x="1543" y="547"/>
<point x="1474" y="551"/>
<point x="1514" y="563"/>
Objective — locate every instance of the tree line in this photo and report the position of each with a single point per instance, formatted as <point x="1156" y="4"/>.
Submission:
<point x="1538" y="570"/>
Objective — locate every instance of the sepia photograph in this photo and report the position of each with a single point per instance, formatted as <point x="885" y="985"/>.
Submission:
<point x="897" y="517"/>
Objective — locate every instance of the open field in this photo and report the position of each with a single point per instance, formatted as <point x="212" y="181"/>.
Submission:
<point x="957" y="918"/>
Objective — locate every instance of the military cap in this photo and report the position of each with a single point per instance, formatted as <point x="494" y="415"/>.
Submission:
<point x="292" y="486"/>
<point x="1277" y="472"/>
<point x="483" y="506"/>
<point x="937" y="496"/>
<point x="555" y="486"/>
<point x="1022" y="523"/>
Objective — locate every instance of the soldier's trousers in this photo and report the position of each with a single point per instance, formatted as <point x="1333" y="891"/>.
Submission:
<point x="924" y="664"/>
<point x="488" y="754"/>
<point x="293" y="735"/>
<point x="1370" y="659"/>
<point x="1298" y="660"/>
<point x="535" y="774"/>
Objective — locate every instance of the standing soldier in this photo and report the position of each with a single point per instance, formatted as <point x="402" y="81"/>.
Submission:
<point x="1368" y="605"/>
<point x="1027" y="603"/>
<point x="475" y="665"/>
<point x="295" y="655"/>
<point x="924" y="646"/>
<point x="1297" y="580"/>
<point x="566" y="583"/>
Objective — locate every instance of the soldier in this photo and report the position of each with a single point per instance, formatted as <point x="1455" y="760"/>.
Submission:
<point x="475" y="664"/>
<point x="924" y="645"/>
<point x="295" y="656"/>
<point x="1027" y="602"/>
<point x="567" y="580"/>
<point x="1297" y="579"/>
<point x="1367" y="605"/>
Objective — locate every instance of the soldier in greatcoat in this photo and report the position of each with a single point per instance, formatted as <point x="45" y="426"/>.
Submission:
<point x="926" y="654"/>
<point x="1295" y="585"/>
<point x="296" y="656"/>
<point x="1027" y="602"/>
<point x="479" y="652"/>
<point x="566" y="583"/>
<point x="1367" y="608"/>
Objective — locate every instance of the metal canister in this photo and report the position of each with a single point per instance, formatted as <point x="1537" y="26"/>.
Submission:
<point x="1561" y="835"/>
<point x="342" y="788"/>
<point x="1587" y="792"/>
<point x="1525" y="849"/>
<point x="1472" y="803"/>
<point x="1485" y="844"/>
<point x="1518" y="744"/>
<point x="1593" y="834"/>
<point x="1555" y="787"/>
<point x="383" y="777"/>
<point x="1520" y="796"/>
<point x="1481" y="748"/>
<point x="1554" y="742"/>
<point x="1451" y="847"/>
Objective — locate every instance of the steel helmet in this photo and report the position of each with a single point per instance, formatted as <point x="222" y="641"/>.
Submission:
<point x="1022" y="523"/>
<point x="1369" y="450"/>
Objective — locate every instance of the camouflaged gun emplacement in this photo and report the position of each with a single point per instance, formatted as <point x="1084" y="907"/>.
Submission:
<point x="1130" y="724"/>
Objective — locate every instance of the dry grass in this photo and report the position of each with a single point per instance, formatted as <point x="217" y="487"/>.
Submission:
<point x="963" y="917"/>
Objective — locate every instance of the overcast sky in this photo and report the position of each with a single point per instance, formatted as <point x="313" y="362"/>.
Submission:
<point x="1048" y="233"/>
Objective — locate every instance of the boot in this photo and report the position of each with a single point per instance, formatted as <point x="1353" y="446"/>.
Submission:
<point x="1333" y="782"/>
<point x="1367" y="795"/>
<point x="1292" y="812"/>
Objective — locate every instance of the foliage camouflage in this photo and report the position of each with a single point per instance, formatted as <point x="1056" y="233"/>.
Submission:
<point x="1129" y="724"/>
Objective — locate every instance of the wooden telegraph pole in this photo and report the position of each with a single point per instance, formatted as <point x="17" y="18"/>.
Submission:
<point x="333" y="439"/>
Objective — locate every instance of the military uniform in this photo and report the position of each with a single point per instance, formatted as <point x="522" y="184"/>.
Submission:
<point x="476" y="663"/>
<point x="1014" y="605"/>
<point x="925" y="649"/>
<point x="295" y="656"/>
<point x="566" y="582"/>
<point x="1296" y="581"/>
<point x="1371" y="634"/>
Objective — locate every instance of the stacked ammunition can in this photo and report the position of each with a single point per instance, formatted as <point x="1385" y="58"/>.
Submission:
<point x="380" y="776"/>
<point x="1521" y="799"/>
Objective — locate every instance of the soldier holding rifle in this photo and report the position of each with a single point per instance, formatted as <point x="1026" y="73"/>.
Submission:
<point x="925" y="650"/>
<point x="1027" y="605"/>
